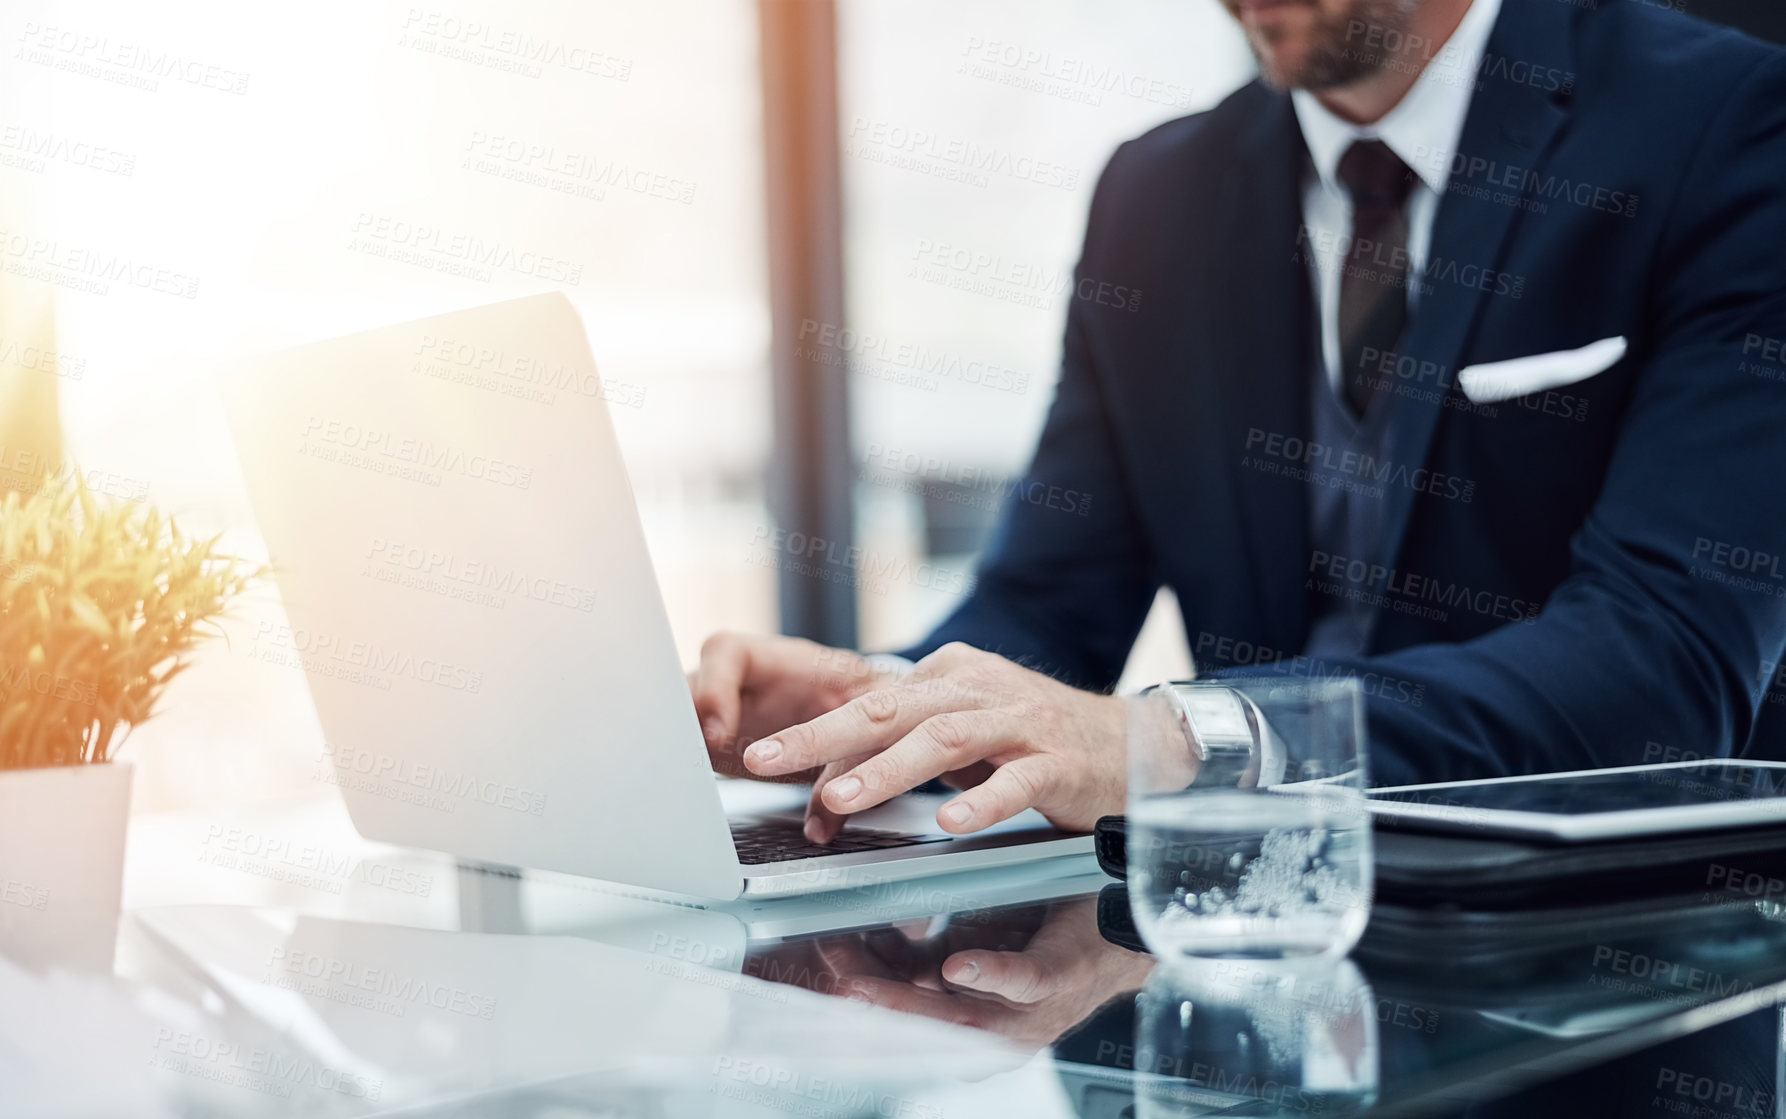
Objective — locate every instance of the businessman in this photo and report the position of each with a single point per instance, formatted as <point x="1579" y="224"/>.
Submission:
<point x="1459" y="371"/>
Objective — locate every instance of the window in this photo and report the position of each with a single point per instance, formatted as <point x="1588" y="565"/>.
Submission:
<point x="972" y="136"/>
<point x="278" y="174"/>
<point x="294" y="172"/>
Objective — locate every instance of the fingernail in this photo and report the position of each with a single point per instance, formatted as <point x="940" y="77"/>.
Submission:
<point x="966" y="973"/>
<point x="845" y="789"/>
<point x="713" y="731"/>
<point x="764" y="752"/>
<point x="814" y="833"/>
<point x="958" y="813"/>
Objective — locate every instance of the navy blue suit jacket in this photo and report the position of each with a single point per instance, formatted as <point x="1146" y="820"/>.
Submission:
<point x="1578" y="578"/>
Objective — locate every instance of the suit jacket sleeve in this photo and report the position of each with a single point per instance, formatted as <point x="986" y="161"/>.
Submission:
<point x="1652" y="640"/>
<point x="1068" y="578"/>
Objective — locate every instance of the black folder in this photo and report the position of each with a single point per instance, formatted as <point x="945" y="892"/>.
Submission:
<point x="1490" y="899"/>
<point x="1490" y="873"/>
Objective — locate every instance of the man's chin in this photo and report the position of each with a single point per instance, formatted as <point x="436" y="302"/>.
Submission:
<point x="1286" y="67"/>
<point x="1282" y="43"/>
<point x="1295" y="49"/>
<point x="1283" y="69"/>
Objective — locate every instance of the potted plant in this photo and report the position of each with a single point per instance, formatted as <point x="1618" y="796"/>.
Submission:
<point x="100" y="602"/>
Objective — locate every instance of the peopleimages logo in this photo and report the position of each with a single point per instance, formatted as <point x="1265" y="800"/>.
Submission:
<point x="305" y="864"/>
<point x="1337" y="465"/>
<point x="28" y="469"/>
<point x="1386" y="263"/>
<point x="430" y="786"/>
<point x="83" y="268"/>
<point x="1490" y="180"/>
<point x="27" y="355"/>
<point x="1239" y="651"/>
<point x="851" y="564"/>
<point x="18" y="680"/>
<point x="33" y="148"/>
<point x="1746" y="884"/>
<point x="1666" y="976"/>
<point x="122" y="62"/>
<point x="512" y="366"/>
<point x="1400" y="590"/>
<point x="1069" y="77"/>
<point x="1770" y="349"/>
<point x="919" y="149"/>
<point x="24" y="895"/>
<point x="253" y="1067"/>
<point x="368" y="447"/>
<point x="1771" y="683"/>
<point x="463" y="248"/>
<point x="1750" y="560"/>
<point x="1013" y="281"/>
<point x="318" y="651"/>
<point x="453" y="574"/>
<point x="1748" y="569"/>
<point x="540" y="164"/>
<point x="917" y="358"/>
<point x="965" y="484"/>
<point x="735" y="1077"/>
<point x="505" y="48"/>
<point x="1706" y="1092"/>
<point x="383" y="989"/>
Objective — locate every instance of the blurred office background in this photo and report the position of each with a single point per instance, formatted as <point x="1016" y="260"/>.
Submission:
<point x="290" y="173"/>
<point x="272" y="173"/>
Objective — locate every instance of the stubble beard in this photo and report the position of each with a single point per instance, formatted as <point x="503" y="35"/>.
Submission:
<point x="1339" y="52"/>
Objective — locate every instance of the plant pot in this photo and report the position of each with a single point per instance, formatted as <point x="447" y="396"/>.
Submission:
<point x="62" y="864"/>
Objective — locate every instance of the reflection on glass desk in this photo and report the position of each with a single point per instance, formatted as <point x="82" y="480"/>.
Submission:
<point x="498" y="994"/>
<point x="653" y="1009"/>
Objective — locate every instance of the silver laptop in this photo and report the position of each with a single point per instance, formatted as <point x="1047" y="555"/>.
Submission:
<point x="469" y="594"/>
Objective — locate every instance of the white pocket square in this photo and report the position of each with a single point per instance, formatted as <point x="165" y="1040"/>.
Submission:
<point x="1504" y="380"/>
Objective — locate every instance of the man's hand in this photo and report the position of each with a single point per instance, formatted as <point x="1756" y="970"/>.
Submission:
<point x="747" y="687"/>
<point x="1012" y="738"/>
<point x="1032" y="995"/>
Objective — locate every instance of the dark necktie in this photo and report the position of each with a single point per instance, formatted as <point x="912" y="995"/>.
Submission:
<point x="1373" y="304"/>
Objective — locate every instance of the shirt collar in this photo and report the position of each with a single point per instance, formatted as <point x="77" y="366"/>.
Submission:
<point x="1424" y="127"/>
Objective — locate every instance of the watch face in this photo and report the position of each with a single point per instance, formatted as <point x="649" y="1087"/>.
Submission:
<point x="1219" y="723"/>
<point x="1215" y="715"/>
<point x="1232" y="738"/>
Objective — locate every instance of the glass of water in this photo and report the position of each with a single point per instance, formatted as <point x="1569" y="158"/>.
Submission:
<point x="1242" y="1037"/>
<point x="1248" y="834"/>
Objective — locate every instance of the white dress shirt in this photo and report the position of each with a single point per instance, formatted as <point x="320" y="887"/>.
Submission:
<point x="1422" y="130"/>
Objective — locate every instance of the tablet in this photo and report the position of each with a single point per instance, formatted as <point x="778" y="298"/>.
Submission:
<point x="1593" y="804"/>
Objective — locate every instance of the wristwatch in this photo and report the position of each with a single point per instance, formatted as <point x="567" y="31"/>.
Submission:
<point x="1232" y="741"/>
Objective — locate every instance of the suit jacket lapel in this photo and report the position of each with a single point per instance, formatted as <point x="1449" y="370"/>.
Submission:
<point x="1510" y="124"/>
<point x="1262" y="340"/>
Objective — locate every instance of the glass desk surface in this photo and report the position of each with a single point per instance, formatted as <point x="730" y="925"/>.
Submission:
<point x="400" y="983"/>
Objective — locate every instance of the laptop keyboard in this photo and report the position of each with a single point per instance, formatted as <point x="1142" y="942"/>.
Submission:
<point x="778" y="841"/>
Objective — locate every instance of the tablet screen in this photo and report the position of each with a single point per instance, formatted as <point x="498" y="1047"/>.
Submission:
<point x="1623" y="790"/>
